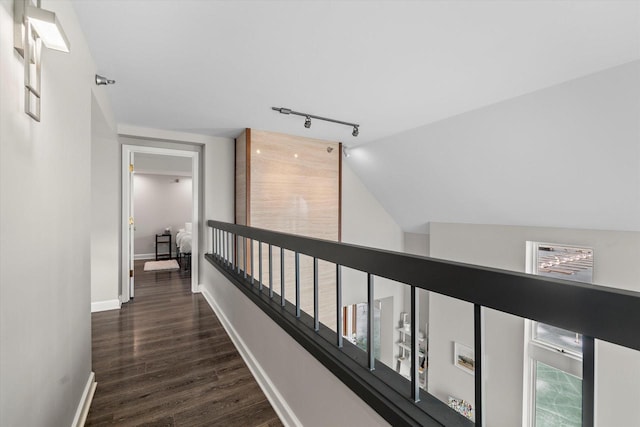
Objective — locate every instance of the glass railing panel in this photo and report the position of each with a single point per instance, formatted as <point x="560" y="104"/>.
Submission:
<point x="327" y="305"/>
<point x="354" y="310"/>
<point x="450" y="356"/>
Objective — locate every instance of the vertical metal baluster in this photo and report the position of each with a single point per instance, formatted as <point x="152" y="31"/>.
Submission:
<point x="316" y="315"/>
<point x="270" y="271"/>
<point x="478" y="335"/>
<point x="415" y="356"/>
<point x="253" y="273"/>
<point x="370" y="355"/>
<point x="282" y="300"/>
<point x="260" y="265"/>
<point x="235" y="253"/>
<point x="213" y="243"/>
<point x="225" y="253"/>
<point x="297" y="284"/>
<point x="244" y="257"/>
<point x="339" y="319"/>
<point x="588" y="381"/>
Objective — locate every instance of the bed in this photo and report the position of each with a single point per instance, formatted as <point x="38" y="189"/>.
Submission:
<point x="183" y="246"/>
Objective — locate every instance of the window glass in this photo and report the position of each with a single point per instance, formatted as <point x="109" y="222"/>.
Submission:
<point x="558" y="338"/>
<point x="558" y="399"/>
<point x="568" y="263"/>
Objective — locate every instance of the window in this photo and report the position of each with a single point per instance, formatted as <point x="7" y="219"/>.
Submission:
<point x="553" y="356"/>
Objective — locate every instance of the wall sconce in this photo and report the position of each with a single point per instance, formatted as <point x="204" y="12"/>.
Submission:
<point x="33" y="27"/>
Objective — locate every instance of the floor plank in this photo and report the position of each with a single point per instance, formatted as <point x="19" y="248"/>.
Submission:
<point x="164" y="359"/>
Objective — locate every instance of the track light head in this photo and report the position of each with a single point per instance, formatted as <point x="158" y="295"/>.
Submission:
<point x="101" y="80"/>
<point x="355" y="132"/>
<point x="307" y="122"/>
<point x="345" y="151"/>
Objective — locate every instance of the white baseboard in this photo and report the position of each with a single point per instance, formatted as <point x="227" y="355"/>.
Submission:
<point x="85" y="401"/>
<point x="284" y="411"/>
<point x="112" y="304"/>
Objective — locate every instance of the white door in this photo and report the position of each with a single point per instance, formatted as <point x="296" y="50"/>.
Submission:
<point x="132" y="227"/>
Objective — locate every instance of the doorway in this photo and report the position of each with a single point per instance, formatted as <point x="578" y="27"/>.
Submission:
<point x="151" y="155"/>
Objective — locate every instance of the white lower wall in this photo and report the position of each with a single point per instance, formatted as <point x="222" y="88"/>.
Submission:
<point x="311" y="395"/>
<point x="616" y="255"/>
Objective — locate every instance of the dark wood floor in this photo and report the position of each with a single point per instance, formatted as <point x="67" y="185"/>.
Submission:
<point x="164" y="359"/>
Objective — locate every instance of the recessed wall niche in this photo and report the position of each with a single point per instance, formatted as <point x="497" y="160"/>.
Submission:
<point x="291" y="184"/>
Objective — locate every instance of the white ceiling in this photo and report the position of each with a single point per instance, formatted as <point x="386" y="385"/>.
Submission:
<point x="215" y="67"/>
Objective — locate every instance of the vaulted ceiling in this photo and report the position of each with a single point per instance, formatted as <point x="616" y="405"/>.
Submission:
<point x="394" y="67"/>
<point x="215" y="67"/>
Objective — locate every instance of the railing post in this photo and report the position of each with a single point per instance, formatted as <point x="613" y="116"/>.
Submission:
<point x="226" y="249"/>
<point x="478" y="333"/>
<point x="415" y="346"/>
<point x="370" y="355"/>
<point x="339" y="319"/>
<point x="588" y="381"/>
<point x="214" y="234"/>
<point x="282" y="300"/>
<point x="253" y="273"/>
<point x="244" y="257"/>
<point x="270" y="271"/>
<point x="297" y="258"/>
<point x="235" y="253"/>
<point x="260" y="265"/>
<point x="316" y="315"/>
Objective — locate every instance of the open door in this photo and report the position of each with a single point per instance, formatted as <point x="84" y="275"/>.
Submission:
<point x="132" y="227"/>
<point x="128" y="226"/>
<point x="128" y="218"/>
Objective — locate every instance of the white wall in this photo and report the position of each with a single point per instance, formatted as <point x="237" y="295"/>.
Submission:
<point x="45" y="224"/>
<point x="566" y="156"/>
<point x="615" y="264"/>
<point x="105" y="209"/>
<point x="159" y="202"/>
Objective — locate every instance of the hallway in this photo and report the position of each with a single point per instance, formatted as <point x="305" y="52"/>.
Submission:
<point x="165" y="360"/>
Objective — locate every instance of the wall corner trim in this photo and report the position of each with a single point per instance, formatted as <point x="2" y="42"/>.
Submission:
<point x="112" y="304"/>
<point x="85" y="401"/>
<point x="284" y="411"/>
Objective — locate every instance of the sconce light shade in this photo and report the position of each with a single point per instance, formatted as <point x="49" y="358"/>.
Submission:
<point x="48" y="28"/>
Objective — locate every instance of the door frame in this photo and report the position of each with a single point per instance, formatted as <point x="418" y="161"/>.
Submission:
<point x="127" y="150"/>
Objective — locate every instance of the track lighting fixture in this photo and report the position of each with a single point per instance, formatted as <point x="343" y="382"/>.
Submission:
<point x="101" y="80"/>
<point x="345" y="151"/>
<point x="308" y="117"/>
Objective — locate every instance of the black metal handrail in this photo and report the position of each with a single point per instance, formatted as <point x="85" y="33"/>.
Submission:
<point x="595" y="311"/>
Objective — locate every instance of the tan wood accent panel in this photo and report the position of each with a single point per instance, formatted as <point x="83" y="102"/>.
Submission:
<point x="241" y="185"/>
<point x="295" y="188"/>
<point x="241" y="179"/>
